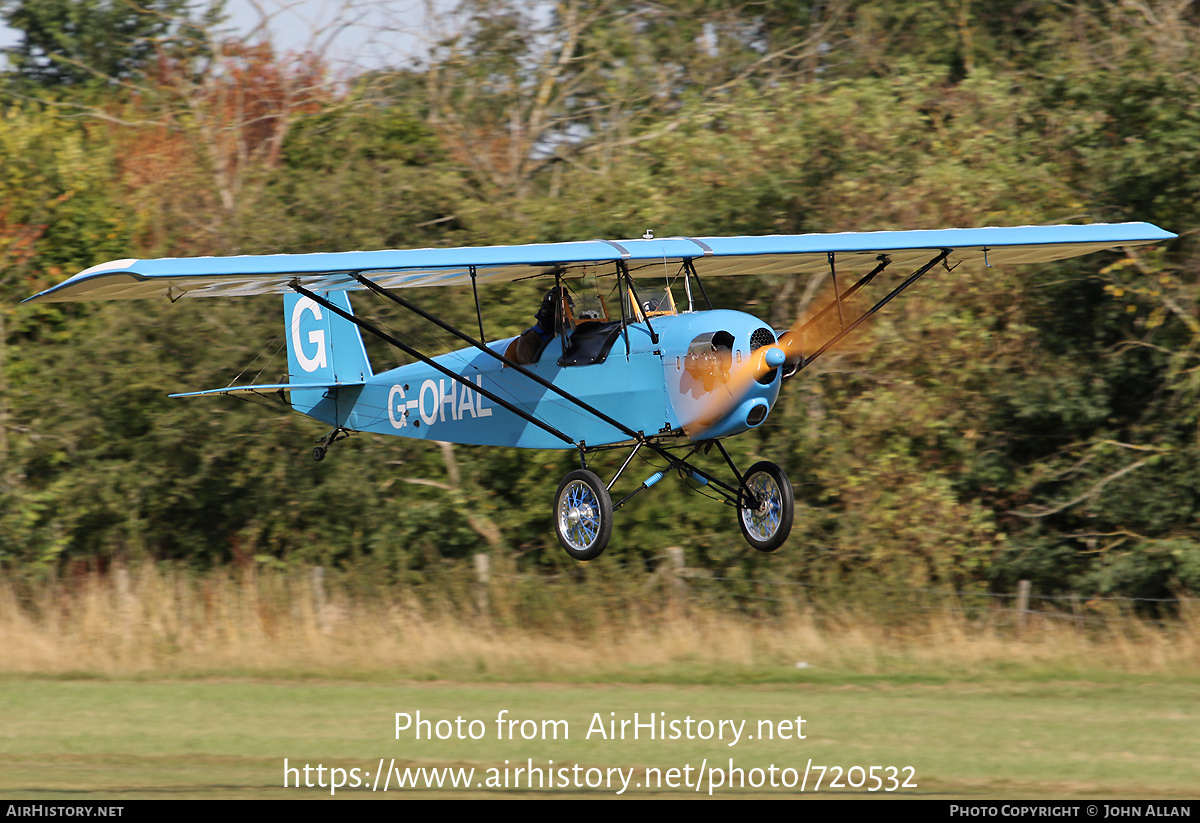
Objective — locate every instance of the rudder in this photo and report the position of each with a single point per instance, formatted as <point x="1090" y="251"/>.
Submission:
<point x="323" y="347"/>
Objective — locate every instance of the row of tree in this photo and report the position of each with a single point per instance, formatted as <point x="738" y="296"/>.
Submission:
<point x="995" y="425"/>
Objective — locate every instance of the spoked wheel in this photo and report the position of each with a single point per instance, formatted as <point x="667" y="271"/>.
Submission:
<point x="583" y="515"/>
<point x="766" y="507"/>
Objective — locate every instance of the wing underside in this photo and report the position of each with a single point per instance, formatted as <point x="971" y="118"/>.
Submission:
<point x="800" y="254"/>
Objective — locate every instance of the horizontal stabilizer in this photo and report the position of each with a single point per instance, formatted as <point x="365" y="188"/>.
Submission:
<point x="267" y="387"/>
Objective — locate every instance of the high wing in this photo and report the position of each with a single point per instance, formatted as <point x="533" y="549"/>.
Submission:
<point x="176" y="277"/>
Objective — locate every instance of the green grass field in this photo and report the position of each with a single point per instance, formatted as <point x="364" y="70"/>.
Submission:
<point x="1113" y="737"/>
<point x="170" y="685"/>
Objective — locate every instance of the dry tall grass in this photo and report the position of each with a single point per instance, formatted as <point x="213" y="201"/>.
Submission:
<point x="168" y="622"/>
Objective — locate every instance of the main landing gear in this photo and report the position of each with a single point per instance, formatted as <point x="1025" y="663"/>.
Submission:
<point x="583" y="507"/>
<point x="766" y="507"/>
<point x="583" y="514"/>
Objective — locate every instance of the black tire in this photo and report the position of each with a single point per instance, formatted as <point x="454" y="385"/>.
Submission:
<point x="583" y="515"/>
<point x="318" y="454"/>
<point x="767" y="525"/>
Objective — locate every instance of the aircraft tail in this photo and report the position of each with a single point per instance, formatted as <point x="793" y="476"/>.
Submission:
<point x="323" y="347"/>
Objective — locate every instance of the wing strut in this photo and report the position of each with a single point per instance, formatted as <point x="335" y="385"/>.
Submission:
<point x="623" y="270"/>
<point x="912" y="278"/>
<point x="837" y="295"/>
<point x="637" y="301"/>
<point x="884" y="262"/>
<point x="478" y="313"/>
<point x="512" y="364"/>
<point x="691" y="267"/>
<point x="409" y="350"/>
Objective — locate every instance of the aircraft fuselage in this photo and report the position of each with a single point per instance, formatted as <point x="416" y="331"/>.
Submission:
<point x="652" y="388"/>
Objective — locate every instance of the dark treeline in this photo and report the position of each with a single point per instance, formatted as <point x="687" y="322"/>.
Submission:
<point x="994" y="425"/>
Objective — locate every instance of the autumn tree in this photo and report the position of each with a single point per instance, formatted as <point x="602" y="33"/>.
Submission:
<point x="513" y="89"/>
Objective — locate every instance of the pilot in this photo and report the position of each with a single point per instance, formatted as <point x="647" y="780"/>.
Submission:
<point x="528" y="347"/>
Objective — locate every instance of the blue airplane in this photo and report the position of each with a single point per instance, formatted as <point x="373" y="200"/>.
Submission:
<point x="647" y="372"/>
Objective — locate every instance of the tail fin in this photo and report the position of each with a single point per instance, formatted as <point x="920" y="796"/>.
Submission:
<point x="323" y="347"/>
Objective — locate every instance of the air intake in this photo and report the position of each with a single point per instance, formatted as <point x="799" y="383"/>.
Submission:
<point x="763" y="337"/>
<point x="757" y="414"/>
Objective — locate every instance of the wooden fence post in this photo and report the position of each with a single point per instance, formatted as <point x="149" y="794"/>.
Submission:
<point x="483" y="578"/>
<point x="1023" y="587"/>
<point x="124" y="596"/>
<point x="676" y="587"/>
<point x="317" y="579"/>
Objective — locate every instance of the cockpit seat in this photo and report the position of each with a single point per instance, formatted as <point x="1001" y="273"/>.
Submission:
<point x="590" y="343"/>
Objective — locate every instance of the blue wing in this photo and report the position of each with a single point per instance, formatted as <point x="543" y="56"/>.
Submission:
<point x="178" y="277"/>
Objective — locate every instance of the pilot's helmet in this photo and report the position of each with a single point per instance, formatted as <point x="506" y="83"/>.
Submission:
<point x="553" y="295"/>
<point x="547" y="311"/>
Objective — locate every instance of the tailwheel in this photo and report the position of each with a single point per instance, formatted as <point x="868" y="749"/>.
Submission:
<point x="328" y="440"/>
<point x="583" y="515"/>
<point x="765" y="506"/>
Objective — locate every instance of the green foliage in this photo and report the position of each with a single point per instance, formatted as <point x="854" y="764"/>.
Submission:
<point x="361" y="132"/>
<point x="362" y="174"/>
<point x="84" y="43"/>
